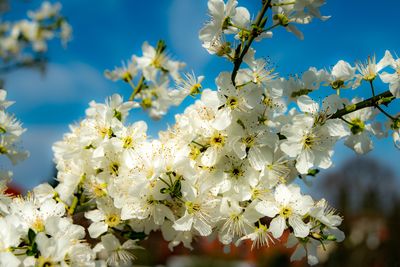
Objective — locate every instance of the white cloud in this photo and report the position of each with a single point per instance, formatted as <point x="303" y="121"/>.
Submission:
<point x="73" y="82"/>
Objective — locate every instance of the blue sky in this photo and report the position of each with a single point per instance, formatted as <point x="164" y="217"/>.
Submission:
<point x="106" y="32"/>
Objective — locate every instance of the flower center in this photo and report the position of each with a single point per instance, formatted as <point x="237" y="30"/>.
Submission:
<point x="192" y="207"/>
<point x="112" y="220"/>
<point x="286" y="212"/>
<point x="126" y="76"/>
<point x="104" y="131"/>
<point x="217" y="140"/>
<point x="236" y="172"/>
<point x="357" y="126"/>
<point x="232" y="102"/>
<point x="248" y="140"/>
<point x="114" y="168"/>
<point x="308" y="141"/>
<point x="147" y="103"/>
<point x="38" y="225"/>
<point x="195" y="89"/>
<point x="45" y="262"/>
<point x="128" y="142"/>
<point x="99" y="189"/>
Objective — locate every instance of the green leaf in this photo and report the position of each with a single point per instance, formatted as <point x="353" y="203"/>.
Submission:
<point x="31" y="236"/>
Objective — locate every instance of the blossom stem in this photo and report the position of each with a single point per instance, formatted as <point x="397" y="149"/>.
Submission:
<point x="346" y="121"/>
<point x="136" y="89"/>
<point x="74" y="204"/>
<point x="384" y="98"/>
<point x="240" y="28"/>
<point x="253" y="34"/>
<point x="377" y="106"/>
<point x="200" y="145"/>
<point x="272" y="27"/>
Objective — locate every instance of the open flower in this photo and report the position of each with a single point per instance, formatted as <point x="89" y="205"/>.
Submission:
<point x="290" y="206"/>
<point x="393" y="79"/>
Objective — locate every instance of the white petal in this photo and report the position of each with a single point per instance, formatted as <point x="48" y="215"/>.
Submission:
<point x="242" y="17"/>
<point x="277" y="226"/>
<point x="292" y="149"/>
<point x="95" y="215"/>
<point x="267" y="208"/>
<point x="388" y="77"/>
<point x="8" y="259"/>
<point x="395" y="88"/>
<point x="337" y="127"/>
<point x="161" y="212"/>
<point x="283" y="195"/>
<point x="203" y="228"/>
<point x="184" y="223"/>
<point x="385" y="61"/>
<point x="305" y="161"/>
<point x="396" y="139"/>
<point x="97" y="228"/>
<point x="222" y="119"/>
<point x="240" y="149"/>
<point x="209" y="157"/>
<point x="307" y="105"/>
<point x="256" y="158"/>
<point x="299" y="227"/>
<point x="210" y="99"/>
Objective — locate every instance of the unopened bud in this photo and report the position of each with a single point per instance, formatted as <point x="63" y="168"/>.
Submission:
<point x="316" y="235"/>
<point x="331" y="238"/>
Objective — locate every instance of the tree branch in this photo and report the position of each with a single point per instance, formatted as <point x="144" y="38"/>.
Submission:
<point x="382" y="99"/>
<point x="254" y="33"/>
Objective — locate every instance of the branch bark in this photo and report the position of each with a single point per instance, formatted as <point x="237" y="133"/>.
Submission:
<point x="382" y="99"/>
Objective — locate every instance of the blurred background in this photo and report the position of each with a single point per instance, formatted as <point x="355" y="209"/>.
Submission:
<point x="363" y="189"/>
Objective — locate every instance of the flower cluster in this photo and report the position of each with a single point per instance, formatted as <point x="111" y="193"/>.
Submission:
<point x="153" y="71"/>
<point x="225" y="170"/>
<point x="228" y="18"/>
<point x="10" y="133"/>
<point x="218" y="171"/>
<point x="33" y="33"/>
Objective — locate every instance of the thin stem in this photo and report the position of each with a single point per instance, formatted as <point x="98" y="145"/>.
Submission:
<point x="136" y="89"/>
<point x="166" y="183"/>
<point x="238" y="27"/>
<point x="371" y="83"/>
<point x="200" y="145"/>
<point x="377" y="106"/>
<point x="385" y="113"/>
<point x="346" y="121"/>
<point x="74" y="204"/>
<point x="244" y="84"/>
<point x="271" y="27"/>
<point x="58" y="199"/>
